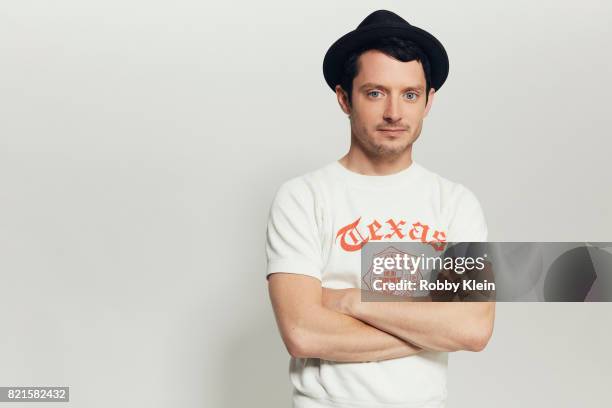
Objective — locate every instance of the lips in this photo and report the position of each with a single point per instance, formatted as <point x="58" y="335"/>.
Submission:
<point x="392" y="131"/>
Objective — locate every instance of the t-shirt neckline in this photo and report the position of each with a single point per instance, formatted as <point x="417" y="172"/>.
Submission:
<point x="390" y="180"/>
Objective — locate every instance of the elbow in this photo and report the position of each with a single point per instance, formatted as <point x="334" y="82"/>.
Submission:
<point x="479" y="338"/>
<point x="296" y="350"/>
<point x="478" y="343"/>
<point x="481" y="330"/>
<point x="297" y="344"/>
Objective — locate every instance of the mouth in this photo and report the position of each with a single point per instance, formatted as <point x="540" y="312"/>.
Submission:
<point x="392" y="131"/>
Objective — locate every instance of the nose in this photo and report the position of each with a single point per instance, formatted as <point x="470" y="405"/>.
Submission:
<point x="392" y="111"/>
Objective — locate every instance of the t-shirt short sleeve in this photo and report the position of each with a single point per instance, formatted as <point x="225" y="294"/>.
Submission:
<point x="468" y="222"/>
<point x="293" y="244"/>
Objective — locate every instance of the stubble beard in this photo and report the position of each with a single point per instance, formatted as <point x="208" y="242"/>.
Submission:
<point x="380" y="151"/>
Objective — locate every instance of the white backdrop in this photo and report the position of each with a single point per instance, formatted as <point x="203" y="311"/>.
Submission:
<point x="141" y="143"/>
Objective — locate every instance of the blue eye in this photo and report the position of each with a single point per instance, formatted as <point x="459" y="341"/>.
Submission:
<point x="414" y="95"/>
<point x="374" y="92"/>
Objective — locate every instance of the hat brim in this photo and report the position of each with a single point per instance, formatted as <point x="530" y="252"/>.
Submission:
<point x="340" y="50"/>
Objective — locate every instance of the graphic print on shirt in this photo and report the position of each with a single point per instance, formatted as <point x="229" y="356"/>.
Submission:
<point x="352" y="239"/>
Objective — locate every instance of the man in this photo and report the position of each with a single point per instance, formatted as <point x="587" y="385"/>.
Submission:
<point x="347" y="353"/>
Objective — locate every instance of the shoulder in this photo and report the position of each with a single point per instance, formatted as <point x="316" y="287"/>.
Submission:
<point x="307" y="185"/>
<point x="451" y="192"/>
<point x="460" y="207"/>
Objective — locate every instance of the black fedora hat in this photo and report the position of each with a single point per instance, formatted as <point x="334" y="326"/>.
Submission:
<point x="380" y="24"/>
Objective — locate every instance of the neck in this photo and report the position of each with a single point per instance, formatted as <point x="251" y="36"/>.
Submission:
<point x="358" y="161"/>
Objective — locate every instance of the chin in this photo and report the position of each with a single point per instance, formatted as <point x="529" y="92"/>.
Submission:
<point x="379" y="146"/>
<point x="389" y="150"/>
<point x="393" y="145"/>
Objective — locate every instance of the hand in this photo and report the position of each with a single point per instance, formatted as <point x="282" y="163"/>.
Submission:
<point x="340" y="300"/>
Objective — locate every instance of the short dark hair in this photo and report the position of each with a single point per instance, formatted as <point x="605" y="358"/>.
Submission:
<point x="398" y="48"/>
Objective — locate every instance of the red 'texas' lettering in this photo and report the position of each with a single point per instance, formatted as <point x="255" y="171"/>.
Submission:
<point x="352" y="240"/>
<point x="349" y="232"/>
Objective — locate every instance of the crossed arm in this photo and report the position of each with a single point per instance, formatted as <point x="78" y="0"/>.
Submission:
<point x="333" y="324"/>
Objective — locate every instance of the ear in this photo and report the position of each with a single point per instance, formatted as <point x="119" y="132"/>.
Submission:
<point x="430" y="99"/>
<point x="343" y="100"/>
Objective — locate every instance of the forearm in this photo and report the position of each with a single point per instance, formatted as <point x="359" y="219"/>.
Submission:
<point x="333" y="336"/>
<point x="438" y="326"/>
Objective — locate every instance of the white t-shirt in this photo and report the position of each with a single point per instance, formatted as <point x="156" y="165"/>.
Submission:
<point x="317" y="225"/>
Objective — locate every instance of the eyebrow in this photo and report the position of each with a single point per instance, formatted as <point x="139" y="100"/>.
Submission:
<point x="373" y="85"/>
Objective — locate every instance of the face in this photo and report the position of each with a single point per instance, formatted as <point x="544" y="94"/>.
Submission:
<point x="388" y="104"/>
